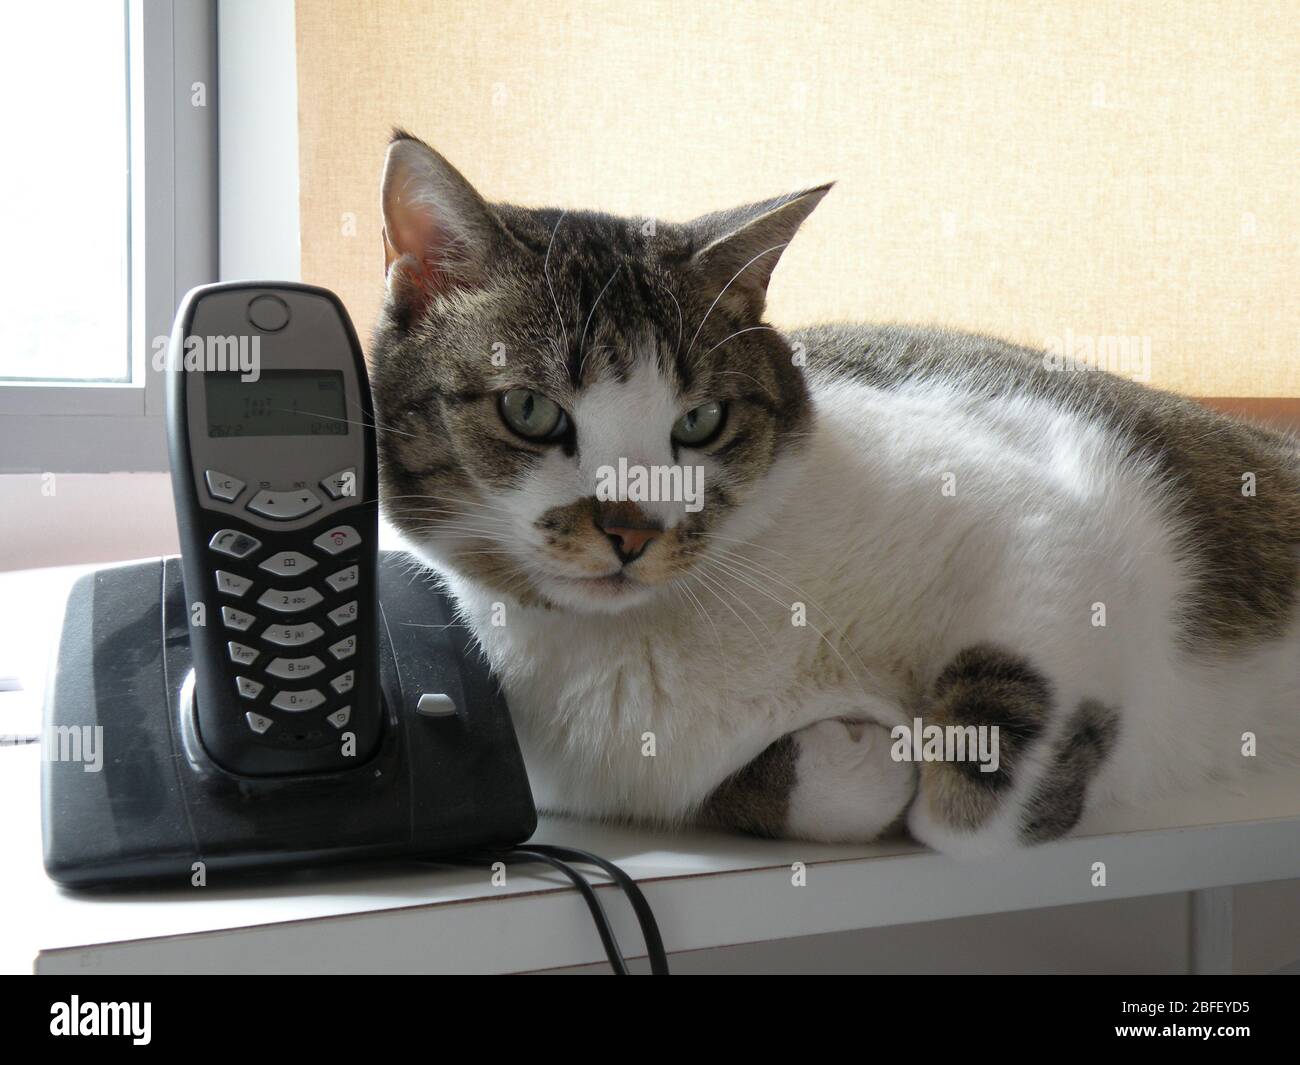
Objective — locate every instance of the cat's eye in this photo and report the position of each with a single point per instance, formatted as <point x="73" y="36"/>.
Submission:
<point x="531" y="414"/>
<point x="697" y="427"/>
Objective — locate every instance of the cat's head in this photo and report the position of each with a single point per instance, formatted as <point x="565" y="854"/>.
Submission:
<point x="541" y="376"/>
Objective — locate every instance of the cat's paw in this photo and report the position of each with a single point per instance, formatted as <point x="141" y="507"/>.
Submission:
<point x="848" y="788"/>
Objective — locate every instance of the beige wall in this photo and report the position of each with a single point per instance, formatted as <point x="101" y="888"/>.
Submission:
<point x="1035" y="170"/>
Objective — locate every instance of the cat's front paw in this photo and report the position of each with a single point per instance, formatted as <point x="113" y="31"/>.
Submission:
<point x="847" y="787"/>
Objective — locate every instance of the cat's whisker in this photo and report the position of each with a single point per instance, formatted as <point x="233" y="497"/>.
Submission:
<point x="450" y="512"/>
<point x="720" y="575"/>
<point x="825" y="639"/>
<point x="546" y="273"/>
<point x="680" y="328"/>
<point x="747" y="543"/>
<point x="440" y="499"/>
<point x="298" y="411"/>
<point x="582" y="355"/>
<point x="380" y="426"/>
<point x="733" y="336"/>
<point x="712" y="584"/>
<point x="722" y="655"/>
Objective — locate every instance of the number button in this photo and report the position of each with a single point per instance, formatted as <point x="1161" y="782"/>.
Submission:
<point x="345" y="648"/>
<point x="236" y="619"/>
<point x="234" y="543"/>
<point x="293" y="635"/>
<point x="232" y="583"/>
<point x="343" y="580"/>
<point x="222" y="487"/>
<point x="287" y="563"/>
<point x="295" y="701"/>
<point x="248" y="689"/>
<point x="289" y="602"/>
<point x="241" y="655"/>
<point x="336" y="541"/>
<point x="295" y="667"/>
<point x="345" y="614"/>
<point x="343" y="682"/>
<point x="284" y="506"/>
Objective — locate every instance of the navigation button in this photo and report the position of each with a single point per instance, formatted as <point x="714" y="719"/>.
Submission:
<point x="284" y="506"/>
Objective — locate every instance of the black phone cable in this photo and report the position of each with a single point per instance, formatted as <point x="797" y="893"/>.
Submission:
<point x="559" y="859"/>
<point x="598" y="915"/>
<point x="654" y="944"/>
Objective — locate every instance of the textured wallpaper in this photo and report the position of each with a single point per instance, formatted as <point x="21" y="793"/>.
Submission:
<point x="1116" y="182"/>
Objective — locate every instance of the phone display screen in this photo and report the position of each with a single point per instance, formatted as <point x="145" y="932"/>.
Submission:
<point x="278" y="403"/>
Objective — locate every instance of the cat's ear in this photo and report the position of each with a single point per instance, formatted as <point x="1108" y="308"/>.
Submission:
<point x="739" y="249"/>
<point x="439" y="234"/>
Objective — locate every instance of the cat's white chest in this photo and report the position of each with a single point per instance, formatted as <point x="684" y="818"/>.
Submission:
<point x="648" y="714"/>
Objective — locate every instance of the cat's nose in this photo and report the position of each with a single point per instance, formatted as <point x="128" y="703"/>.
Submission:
<point x="629" y="542"/>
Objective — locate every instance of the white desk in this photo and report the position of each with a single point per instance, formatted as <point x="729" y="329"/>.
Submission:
<point x="707" y="889"/>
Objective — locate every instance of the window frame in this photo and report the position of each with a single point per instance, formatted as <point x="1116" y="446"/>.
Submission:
<point x="94" y="427"/>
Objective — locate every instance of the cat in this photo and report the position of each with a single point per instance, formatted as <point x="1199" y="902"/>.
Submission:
<point x="902" y="533"/>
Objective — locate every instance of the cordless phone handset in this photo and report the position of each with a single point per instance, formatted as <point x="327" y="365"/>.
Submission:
<point x="271" y="437"/>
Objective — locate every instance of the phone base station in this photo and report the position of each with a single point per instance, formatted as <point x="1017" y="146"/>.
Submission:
<point x="151" y="806"/>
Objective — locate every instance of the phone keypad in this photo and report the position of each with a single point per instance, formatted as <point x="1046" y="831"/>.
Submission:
<point x="236" y="619"/>
<point x="240" y="654"/>
<point x="307" y="699"/>
<point x="289" y="668"/>
<point x="232" y="583"/>
<point x="293" y="635"/>
<point x="344" y="615"/>
<point x="343" y="579"/>
<point x="286" y="666"/>
<point x="294" y="602"/>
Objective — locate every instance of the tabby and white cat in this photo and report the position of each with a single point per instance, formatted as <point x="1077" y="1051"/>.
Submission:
<point x="897" y="524"/>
